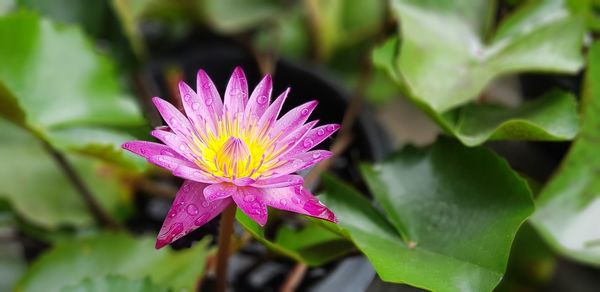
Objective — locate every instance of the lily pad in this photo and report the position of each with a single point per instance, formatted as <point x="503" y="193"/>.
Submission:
<point x="450" y="214"/>
<point x="449" y="52"/>
<point x="313" y="245"/>
<point x="53" y="80"/>
<point x="568" y="207"/>
<point x="551" y="117"/>
<point x="100" y="255"/>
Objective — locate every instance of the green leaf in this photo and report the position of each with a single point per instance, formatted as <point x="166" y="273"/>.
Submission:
<point x="449" y="217"/>
<point x="232" y="16"/>
<point x="312" y="244"/>
<point x="39" y="190"/>
<point x="568" y="207"/>
<point x="448" y="54"/>
<point x="52" y="78"/>
<point x="551" y="117"/>
<point x="104" y="254"/>
<point x="115" y="283"/>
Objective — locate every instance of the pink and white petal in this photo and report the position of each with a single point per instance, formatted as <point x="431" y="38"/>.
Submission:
<point x="148" y="149"/>
<point x="260" y="98"/>
<point x="297" y="199"/>
<point x="175" y="142"/>
<point x="174" y="118"/>
<point x="294" y="118"/>
<point x="207" y="92"/>
<point x="195" y="109"/>
<point x="169" y="162"/>
<point x="249" y="200"/>
<point x="236" y="93"/>
<point x="313" y="138"/>
<point x="288" y="142"/>
<point x="219" y="191"/>
<point x="270" y="115"/>
<point x="195" y="174"/>
<point x="279" y="182"/>
<point x="299" y="162"/>
<point x="189" y="211"/>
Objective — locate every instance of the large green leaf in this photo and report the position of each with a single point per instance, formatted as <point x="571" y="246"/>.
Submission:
<point x="449" y="217"/>
<point x="53" y="79"/>
<point x="115" y="283"/>
<point x="311" y="244"/>
<point x="96" y="256"/>
<point x="449" y="53"/>
<point x="568" y="208"/>
<point x="232" y="16"/>
<point x="552" y="117"/>
<point x="41" y="193"/>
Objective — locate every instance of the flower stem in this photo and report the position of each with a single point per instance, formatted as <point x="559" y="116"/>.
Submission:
<point x="225" y="232"/>
<point x="86" y="195"/>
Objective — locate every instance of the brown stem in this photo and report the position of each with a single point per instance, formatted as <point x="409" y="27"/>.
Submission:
<point x="294" y="278"/>
<point x="225" y="232"/>
<point x="86" y="195"/>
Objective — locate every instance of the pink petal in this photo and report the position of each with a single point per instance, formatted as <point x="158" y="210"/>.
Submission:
<point x="175" y="142"/>
<point x="270" y="115"/>
<point x="236" y="93"/>
<point x="148" y="149"/>
<point x="195" y="174"/>
<point x="297" y="199"/>
<point x="169" y="162"/>
<point x="249" y="200"/>
<point x="279" y="182"/>
<point x="313" y="138"/>
<point x="219" y="191"/>
<point x="299" y="162"/>
<point x="260" y="98"/>
<point x="288" y="142"/>
<point x="174" y="118"/>
<point x="188" y="212"/>
<point x="293" y="119"/>
<point x="207" y="92"/>
<point x="195" y="108"/>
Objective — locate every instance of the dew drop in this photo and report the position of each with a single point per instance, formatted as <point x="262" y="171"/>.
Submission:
<point x="200" y="220"/>
<point x="304" y="112"/>
<point x="206" y="85"/>
<point x="182" y="147"/>
<point x="308" y="143"/>
<point x="262" y="99"/>
<point x="205" y="204"/>
<point x="208" y="101"/>
<point x="176" y="229"/>
<point x="249" y="198"/>
<point x="187" y="97"/>
<point x="143" y="151"/>
<point x="316" y="155"/>
<point x="330" y="128"/>
<point x="173" y="121"/>
<point x="320" y="132"/>
<point x="192" y="210"/>
<point x="283" y="202"/>
<point x="295" y="200"/>
<point x="195" y="106"/>
<point x="172" y="213"/>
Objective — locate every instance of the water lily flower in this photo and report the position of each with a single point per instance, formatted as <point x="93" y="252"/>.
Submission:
<point x="234" y="151"/>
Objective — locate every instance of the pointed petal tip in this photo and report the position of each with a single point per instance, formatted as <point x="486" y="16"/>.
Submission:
<point x="160" y="243"/>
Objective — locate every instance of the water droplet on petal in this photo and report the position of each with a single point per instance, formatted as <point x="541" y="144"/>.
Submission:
<point x="296" y="200"/>
<point x="192" y="210"/>
<point x="262" y="99"/>
<point x="330" y="128"/>
<point x="206" y="85"/>
<point x="316" y="155"/>
<point x="172" y="213"/>
<point x="249" y="198"/>
<point x="205" y="204"/>
<point x="283" y="202"/>
<point x="308" y="143"/>
<point x="304" y="112"/>
<point x="176" y="229"/>
<point x="143" y="151"/>
<point x="187" y="97"/>
<point x="320" y="132"/>
<point x="200" y="220"/>
<point x="314" y="207"/>
<point x="208" y="101"/>
<point x="173" y="121"/>
<point x="182" y="147"/>
<point x="195" y="106"/>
